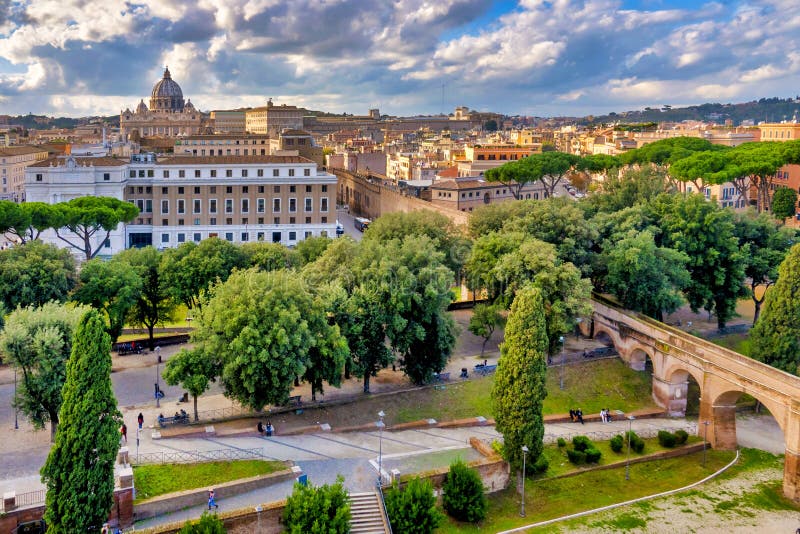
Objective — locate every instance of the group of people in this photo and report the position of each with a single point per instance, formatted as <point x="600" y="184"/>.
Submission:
<point x="179" y="417"/>
<point x="267" y="430"/>
<point x="605" y="416"/>
<point x="576" y="416"/>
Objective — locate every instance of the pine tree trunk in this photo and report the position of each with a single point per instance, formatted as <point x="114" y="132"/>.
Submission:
<point x="366" y="382"/>
<point x="195" y="408"/>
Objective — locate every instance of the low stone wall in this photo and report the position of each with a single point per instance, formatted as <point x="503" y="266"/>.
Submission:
<point x="195" y="497"/>
<point x="244" y="521"/>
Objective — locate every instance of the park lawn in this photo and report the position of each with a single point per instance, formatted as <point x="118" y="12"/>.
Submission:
<point x="154" y="480"/>
<point x="553" y="498"/>
<point x="739" y="342"/>
<point x="590" y="385"/>
<point x="129" y="337"/>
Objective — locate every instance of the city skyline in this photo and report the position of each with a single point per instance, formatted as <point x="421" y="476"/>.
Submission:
<point x="532" y="57"/>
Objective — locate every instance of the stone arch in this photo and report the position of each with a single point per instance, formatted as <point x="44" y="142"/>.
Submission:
<point x="637" y="357"/>
<point x="671" y="387"/>
<point x="605" y="335"/>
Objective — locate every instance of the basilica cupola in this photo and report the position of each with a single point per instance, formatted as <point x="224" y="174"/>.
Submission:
<point x="167" y="95"/>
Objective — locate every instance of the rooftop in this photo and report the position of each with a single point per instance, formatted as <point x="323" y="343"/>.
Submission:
<point x="60" y="161"/>
<point x="212" y="160"/>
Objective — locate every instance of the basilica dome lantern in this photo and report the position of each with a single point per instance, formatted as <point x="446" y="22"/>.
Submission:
<point x="167" y="95"/>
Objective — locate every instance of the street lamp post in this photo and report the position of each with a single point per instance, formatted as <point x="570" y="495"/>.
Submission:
<point x="158" y="376"/>
<point x="380" y="425"/>
<point x="628" y="461"/>
<point x="705" y="437"/>
<point x="524" y="456"/>
<point x="563" y="356"/>
<point x="16" y="419"/>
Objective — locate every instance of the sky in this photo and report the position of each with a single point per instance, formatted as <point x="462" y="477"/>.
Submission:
<point x="405" y="57"/>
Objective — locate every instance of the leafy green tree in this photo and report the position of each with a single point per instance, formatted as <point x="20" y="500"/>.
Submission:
<point x="775" y="339"/>
<point x="111" y="287"/>
<point x="705" y="233"/>
<point x="318" y="510"/>
<point x="270" y="256"/>
<point x="491" y="217"/>
<point x="756" y="165"/>
<point x="311" y="248"/>
<point x="645" y="277"/>
<point x="784" y="203"/>
<point x="81" y="220"/>
<point x="35" y="273"/>
<point x="263" y="328"/>
<point x="462" y="493"/>
<point x="191" y="269"/>
<point x="549" y="168"/>
<point x="79" y="471"/>
<point x="207" y="524"/>
<point x="412" y="509"/>
<point x="519" y="385"/>
<point x="194" y="371"/>
<point x="25" y="221"/>
<point x="628" y="188"/>
<point x="490" y="125"/>
<point x="487" y="250"/>
<point x="485" y="319"/>
<point x="327" y="357"/>
<point x="37" y="342"/>
<point x="767" y="243"/>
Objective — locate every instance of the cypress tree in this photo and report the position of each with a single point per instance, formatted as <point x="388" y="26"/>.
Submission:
<point x="79" y="472"/>
<point x="519" y="384"/>
<point x="775" y="339"/>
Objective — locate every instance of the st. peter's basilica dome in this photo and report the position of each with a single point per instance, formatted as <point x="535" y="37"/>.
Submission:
<point x="167" y="95"/>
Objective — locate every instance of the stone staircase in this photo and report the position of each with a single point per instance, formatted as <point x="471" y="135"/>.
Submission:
<point x="366" y="514"/>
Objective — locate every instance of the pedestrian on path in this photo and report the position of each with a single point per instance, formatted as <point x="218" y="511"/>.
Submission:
<point x="124" y="432"/>
<point x="211" y="501"/>
<point x="141" y="420"/>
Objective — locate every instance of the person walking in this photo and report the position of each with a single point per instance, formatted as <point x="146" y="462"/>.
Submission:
<point x="211" y="501"/>
<point x="124" y="432"/>
<point x="140" y="419"/>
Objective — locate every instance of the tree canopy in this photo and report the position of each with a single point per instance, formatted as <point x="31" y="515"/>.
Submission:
<point x="35" y="273"/>
<point x="81" y="220"/>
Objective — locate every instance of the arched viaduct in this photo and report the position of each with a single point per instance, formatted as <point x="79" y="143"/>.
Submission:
<point x="723" y="375"/>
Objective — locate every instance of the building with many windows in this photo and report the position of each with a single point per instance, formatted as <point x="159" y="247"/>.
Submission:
<point x="168" y="115"/>
<point x="272" y="119"/>
<point x="222" y="145"/>
<point x="13" y="161"/>
<point x="281" y="199"/>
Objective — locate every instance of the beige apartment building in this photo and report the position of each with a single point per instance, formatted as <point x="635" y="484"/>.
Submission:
<point x="779" y="131"/>
<point x="272" y="119"/>
<point x="13" y="161"/>
<point x="228" y="122"/>
<point x="466" y="194"/>
<point x="222" y="145"/>
<point x="480" y="158"/>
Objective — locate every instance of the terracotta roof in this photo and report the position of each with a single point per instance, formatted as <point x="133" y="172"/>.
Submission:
<point x="462" y="184"/>
<point x="20" y="150"/>
<point x="294" y="132"/>
<point x="224" y="136"/>
<point x="449" y="172"/>
<point x="233" y="160"/>
<point x="60" y="161"/>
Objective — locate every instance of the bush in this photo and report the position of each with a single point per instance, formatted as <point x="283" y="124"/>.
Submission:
<point x="576" y="457"/>
<point x="561" y="443"/>
<point x="208" y="524"/>
<point x="666" y="439"/>
<point x="581" y="443"/>
<point x="463" y="496"/>
<point x="592" y="455"/>
<point x="637" y="443"/>
<point x="413" y="509"/>
<point x="617" y="442"/>
<point x="318" y="509"/>
<point x="541" y="465"/>
<point x="681" y="436"/>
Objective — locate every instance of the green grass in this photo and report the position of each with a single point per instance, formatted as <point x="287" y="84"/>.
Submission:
<point x="591" y="386"/>
<point x="154" y="480"/>
<point x="549" y="499"/>
<point x="736" y="342"/>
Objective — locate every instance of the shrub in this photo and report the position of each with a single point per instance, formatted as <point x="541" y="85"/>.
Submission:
<point x="318" y="509"/>
<point x="561" y="443"/>
<point x="681" y="436"/>
<point x="497" y="446"/>
<point x="581" y="443"/>
<point x="541" y="465"/>
<point x="637" y="443"/>
<point x="463" y="496"/>
<point x="413" y="509"/>
<point x="208" y="524"/>
<point x="666" y="439"/>
<point x="592" y="455"/>
<point x="576" y="457"/>
<point x="617" y="442"/>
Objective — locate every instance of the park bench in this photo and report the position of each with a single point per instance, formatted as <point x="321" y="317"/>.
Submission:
<point x="172" y="420"/>
<point x="485" y="369"/>
<point x="441" y="377"/>
<point x="129" y="348"/>
<point x="294" y="400"/>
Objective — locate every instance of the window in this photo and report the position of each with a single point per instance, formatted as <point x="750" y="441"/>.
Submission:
<point x="260" y="171"/>
<point x="148" y="205"/>
<point x="165" y="190"/>
<point x="276" y="172"/>
<point x="292" y="189"/>
<point x="196" y="190"/>
<point x="276" y="237"/>
<point x="229" y="190"/>
<point x="180" y="191"/>
<point x="292" y="205"/>
<point x="307" y="234"/>
<point x="244" y="175"/>
<point x="292" y="220"/>
<point x="228" y="173"/>
<point x="261" y="220"/>
<point x="260" y="236"/>
<point x="308" y="189"/>
<point x="229" y="220"/>
<point x="323" y="233"/>
<point x="245" y="189"/>
<point x="181" y="206"/>
<point x="245" y="236"/>
<point x="141" y="173"/>
<point x="213" y="173"/>
<point x="181" y="174"/>
<point x="212" y="189"/>
<point x="228" y="205"/>
<point x="308" y="206"/>
<point x="292" y="236"/>
<point x="212" y="221"/>
<point x="245" y="205"/>
<point x="197" y="221"/>
<point x="106" y="176"/>
<point x="180" y="222"/>
<point x="291" y="172"/>
<point x="323" y="204"/>
<point x="276" y="205"/>
<point x="165" y="174"/>
<point x="324" y="188"/>
<point x="260" y="205"/>
<point x="197" y="237"/>
<point x="228" y="236"/>
<point x="276" y="189"/>
<point x="39" y="177"/>
<point x="196" y="205"/>
<point x="306" y="172"/>
<point x="131" y="174"/>
<point x="165" y="238"/>
<point x="181" y="238"/>
<point x="260" y="188"/>
<point x="212" y="205"/>
<point x="197" y="173"/>
<point x="164" y="207"/>
<point x="324" y="220"/>
<point x="308" y="220"/>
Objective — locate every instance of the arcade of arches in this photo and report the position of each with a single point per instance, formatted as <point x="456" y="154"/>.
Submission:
<point x="723" y="376"/>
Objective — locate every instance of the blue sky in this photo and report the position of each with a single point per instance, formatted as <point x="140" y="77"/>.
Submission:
<point x="533" y="57"/>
